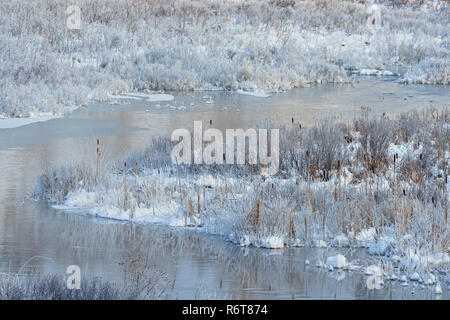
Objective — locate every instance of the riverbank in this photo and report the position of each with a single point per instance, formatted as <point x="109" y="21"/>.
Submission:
<point x="258" y="46"/>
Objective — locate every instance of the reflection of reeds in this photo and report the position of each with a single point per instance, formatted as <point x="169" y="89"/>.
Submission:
<point x="98" y="153"/>
<point x="291" y="228"/>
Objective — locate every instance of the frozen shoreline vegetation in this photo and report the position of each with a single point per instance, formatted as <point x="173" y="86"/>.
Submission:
<point x="141" y="280"/>
<point x="138" y="45"/>
<point x="374" y="182"/>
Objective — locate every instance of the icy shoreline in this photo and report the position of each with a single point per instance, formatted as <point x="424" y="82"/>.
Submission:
<point x="387" y="262"/>
<point x="10" y="123"/>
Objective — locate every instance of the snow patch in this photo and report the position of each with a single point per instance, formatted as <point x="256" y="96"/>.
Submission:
<point x="257" y="93"/>
<point x="9" y="123"/>
<point x="338" y="261"/>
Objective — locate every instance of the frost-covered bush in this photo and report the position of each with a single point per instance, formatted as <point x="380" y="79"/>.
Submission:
<point x="195" y="45"/>
<point x="54" y="287"/>
<point x="374" y="137"/>
<point x="324" y="146"/>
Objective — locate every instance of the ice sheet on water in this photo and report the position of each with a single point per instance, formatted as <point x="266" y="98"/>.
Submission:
<point x="9" y="123"/>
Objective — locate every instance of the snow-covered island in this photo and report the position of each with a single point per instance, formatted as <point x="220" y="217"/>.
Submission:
<point x="374" y="182"/>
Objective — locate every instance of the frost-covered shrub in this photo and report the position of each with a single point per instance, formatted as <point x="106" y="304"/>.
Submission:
<point x="54" y="287"/>
<point x="374" y="136"/>
<point x="323" y="148"/>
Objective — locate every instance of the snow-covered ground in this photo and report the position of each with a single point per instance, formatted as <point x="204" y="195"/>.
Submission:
<point x="8" y="123"/>
<point x="376" y="183"/>
<point x="252" y="46"/>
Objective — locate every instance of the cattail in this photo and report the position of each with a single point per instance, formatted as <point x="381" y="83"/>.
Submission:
<point x="257" y="211"/>
<point x="210" y="122"/>
<point x="292" y="119"/>
<point x="125" y="187"/>
<point x="307" y="154"/>
<point x="198" y="201"/>
<point x="446" y="211"/>
<point x="433" y="227"/>
<point x="191" y="209"/>
<point x="339" y="164"/>
<point x="306" y="228"/>
<point x="404" y="192"/>
<point x="224" y="157"/>
<point x="296" y="163"/>
<point x="343" y="214"/>
<point x="300" y="126"/>
<point x="324" y="217"/>
<point x="421" y="157"/>
<point x="291" y="228"/>
<point x="97" y="159"/>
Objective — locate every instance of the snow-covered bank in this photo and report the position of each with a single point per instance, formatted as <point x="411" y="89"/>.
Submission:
<point x="9" y="123"/>
<point x="254" y="46"/>
<point x="376" y="183"/>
